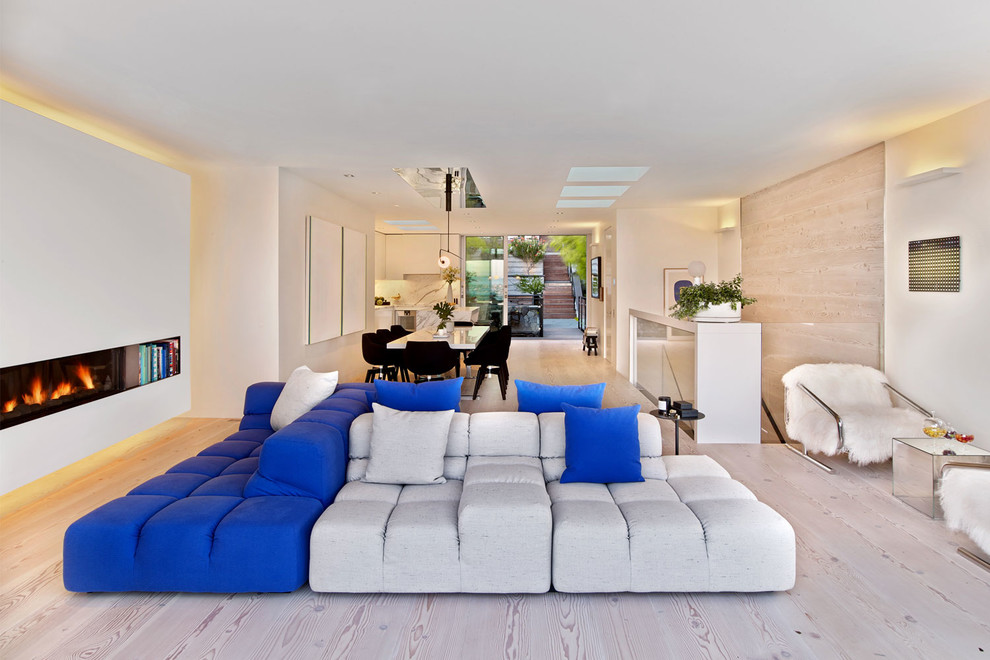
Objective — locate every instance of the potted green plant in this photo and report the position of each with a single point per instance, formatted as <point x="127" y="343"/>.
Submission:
<point x="444" y="311"/>
<point x="712" y="301"/>
<point x="531" y="284"/>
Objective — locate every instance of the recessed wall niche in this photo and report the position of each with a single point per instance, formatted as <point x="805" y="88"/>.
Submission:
<point x="934" y="264"/>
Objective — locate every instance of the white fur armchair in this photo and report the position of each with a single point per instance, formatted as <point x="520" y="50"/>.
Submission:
<point x="831" y="408"/>
<point x="964" y="492"/>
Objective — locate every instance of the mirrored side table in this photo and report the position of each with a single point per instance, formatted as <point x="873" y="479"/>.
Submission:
<point x="918" y="469"/>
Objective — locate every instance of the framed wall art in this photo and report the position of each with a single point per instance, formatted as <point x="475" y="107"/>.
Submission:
<point x="595" y="279"/>
<point x="674" y="279"/>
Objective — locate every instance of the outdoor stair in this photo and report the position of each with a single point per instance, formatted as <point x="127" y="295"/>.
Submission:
<point x="558" y="294"/>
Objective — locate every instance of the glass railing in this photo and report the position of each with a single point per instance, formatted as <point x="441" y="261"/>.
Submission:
<point x="663" y="359"/>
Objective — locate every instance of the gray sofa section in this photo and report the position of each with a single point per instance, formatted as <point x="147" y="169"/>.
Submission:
<point x="503" y="522"/>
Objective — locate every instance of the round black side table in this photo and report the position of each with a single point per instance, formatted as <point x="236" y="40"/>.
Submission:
<point x="676" y="418"/>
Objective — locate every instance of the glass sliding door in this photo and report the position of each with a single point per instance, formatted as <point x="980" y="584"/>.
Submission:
<point x="534" y="284"/>
<point x="526" y="284"/>
<point x="484" y="277"/>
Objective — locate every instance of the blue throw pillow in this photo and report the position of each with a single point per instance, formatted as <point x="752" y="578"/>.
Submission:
<point x="537" y="398"/>
<point x="432" y="395"/>
<point x="601" y="446"/>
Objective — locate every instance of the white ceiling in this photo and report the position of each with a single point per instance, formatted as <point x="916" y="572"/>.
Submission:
<point x="718" y="98"/>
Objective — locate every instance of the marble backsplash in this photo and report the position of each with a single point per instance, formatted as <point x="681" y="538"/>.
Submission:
<point x="416" y="290"/>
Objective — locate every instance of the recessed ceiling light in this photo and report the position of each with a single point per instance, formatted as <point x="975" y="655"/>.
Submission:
<point x="558" y="212"/>
<point x="348" y="176"/>
<point x="375" y="193"/>
<point x="584" y="203"/>
<point x="606" y="173"/>
<point x="593" y="191"/>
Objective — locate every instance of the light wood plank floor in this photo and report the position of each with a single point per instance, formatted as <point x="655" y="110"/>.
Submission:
<point x="875" y="578"/>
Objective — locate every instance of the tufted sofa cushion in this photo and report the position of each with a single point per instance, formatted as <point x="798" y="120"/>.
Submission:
<point x="503" y="522"/>
<point x="486" y="530"/>
<point x="236" y="517"/>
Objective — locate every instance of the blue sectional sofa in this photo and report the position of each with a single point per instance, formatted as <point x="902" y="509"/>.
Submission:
<point x="235" y="518"/>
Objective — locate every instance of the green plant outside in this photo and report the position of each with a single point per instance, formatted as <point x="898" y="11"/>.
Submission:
<point x="574" y="251"/>
<point x="530" y="250"/>
<point x="695" y="298"/>
<point x="532" y="284"/>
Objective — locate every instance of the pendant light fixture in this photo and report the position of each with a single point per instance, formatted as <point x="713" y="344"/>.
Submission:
<point x="444" y="260"/>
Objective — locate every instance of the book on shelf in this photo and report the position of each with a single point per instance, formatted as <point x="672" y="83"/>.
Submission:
<point x="157" y="360"/>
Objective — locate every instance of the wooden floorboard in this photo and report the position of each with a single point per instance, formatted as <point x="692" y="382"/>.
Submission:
<point x="875" y="577"/>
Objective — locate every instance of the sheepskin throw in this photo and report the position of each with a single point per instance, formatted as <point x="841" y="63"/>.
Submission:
<point x="964" y="493"/>
<point x="857" y="393"/>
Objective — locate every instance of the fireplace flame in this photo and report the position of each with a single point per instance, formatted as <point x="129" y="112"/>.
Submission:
<point x="61" y="390"/>
<point x="85" y="377"/>
<point x="37" y="394"/>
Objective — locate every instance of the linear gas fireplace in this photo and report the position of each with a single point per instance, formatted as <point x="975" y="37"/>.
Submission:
<point x="37" y="389"/>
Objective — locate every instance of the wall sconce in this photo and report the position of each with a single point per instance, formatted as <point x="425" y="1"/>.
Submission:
<point x="930" y="175"/>
<point x="696" y="269"/>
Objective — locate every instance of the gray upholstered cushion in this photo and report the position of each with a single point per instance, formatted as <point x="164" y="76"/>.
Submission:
<point x="454" y="461"/>
<point x="407" y="447"/>
<point x="505" y="434"/>
<point x="505" y="526"/>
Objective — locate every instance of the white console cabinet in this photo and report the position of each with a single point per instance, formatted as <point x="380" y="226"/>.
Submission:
<point x="715" y="366"/>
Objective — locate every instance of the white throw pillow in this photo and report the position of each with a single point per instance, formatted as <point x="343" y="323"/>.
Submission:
<point x="407" y="447"/>
<point x="302" y="391"/>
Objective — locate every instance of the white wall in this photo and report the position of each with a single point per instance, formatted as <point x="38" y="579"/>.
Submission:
<point x="380" y="256"/>
<point x="94" y="254"/>
<point x="416" y="254"/>
<point x="647" y="241"/>
<point x="936" y="350"/>
<point x="297" y="199"/>
<point x="234" y="269"/>
<point x="729" y="240"/>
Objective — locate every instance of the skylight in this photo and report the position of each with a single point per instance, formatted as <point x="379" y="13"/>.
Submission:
<point x="407" y="222"/>
<point x="597" y="174"/>
<point x="584" y="203"/>
<point x="593" y="191"/>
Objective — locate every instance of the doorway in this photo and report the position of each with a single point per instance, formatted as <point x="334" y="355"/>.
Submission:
<point x="534" y="284"/>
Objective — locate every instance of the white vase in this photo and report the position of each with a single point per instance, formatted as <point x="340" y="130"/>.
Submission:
<point x="722" y="313"/>
<point x="442" y="332"/>
<point x="450" y="292"/>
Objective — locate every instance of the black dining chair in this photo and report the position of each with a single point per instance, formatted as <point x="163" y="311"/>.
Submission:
<point x="492" y="356"/>
<point x="383" y="364"/>
<point x="397" y="357"/>
<point x="430" y="360"/>
<point x="395" y="332"/>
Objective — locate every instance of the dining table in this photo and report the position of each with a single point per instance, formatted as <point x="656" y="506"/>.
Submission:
<point x="460" y="338"/>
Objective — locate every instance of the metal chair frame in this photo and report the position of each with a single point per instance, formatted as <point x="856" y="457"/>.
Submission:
<point x="838" y="422"/>
<point x="968" y="554"/>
